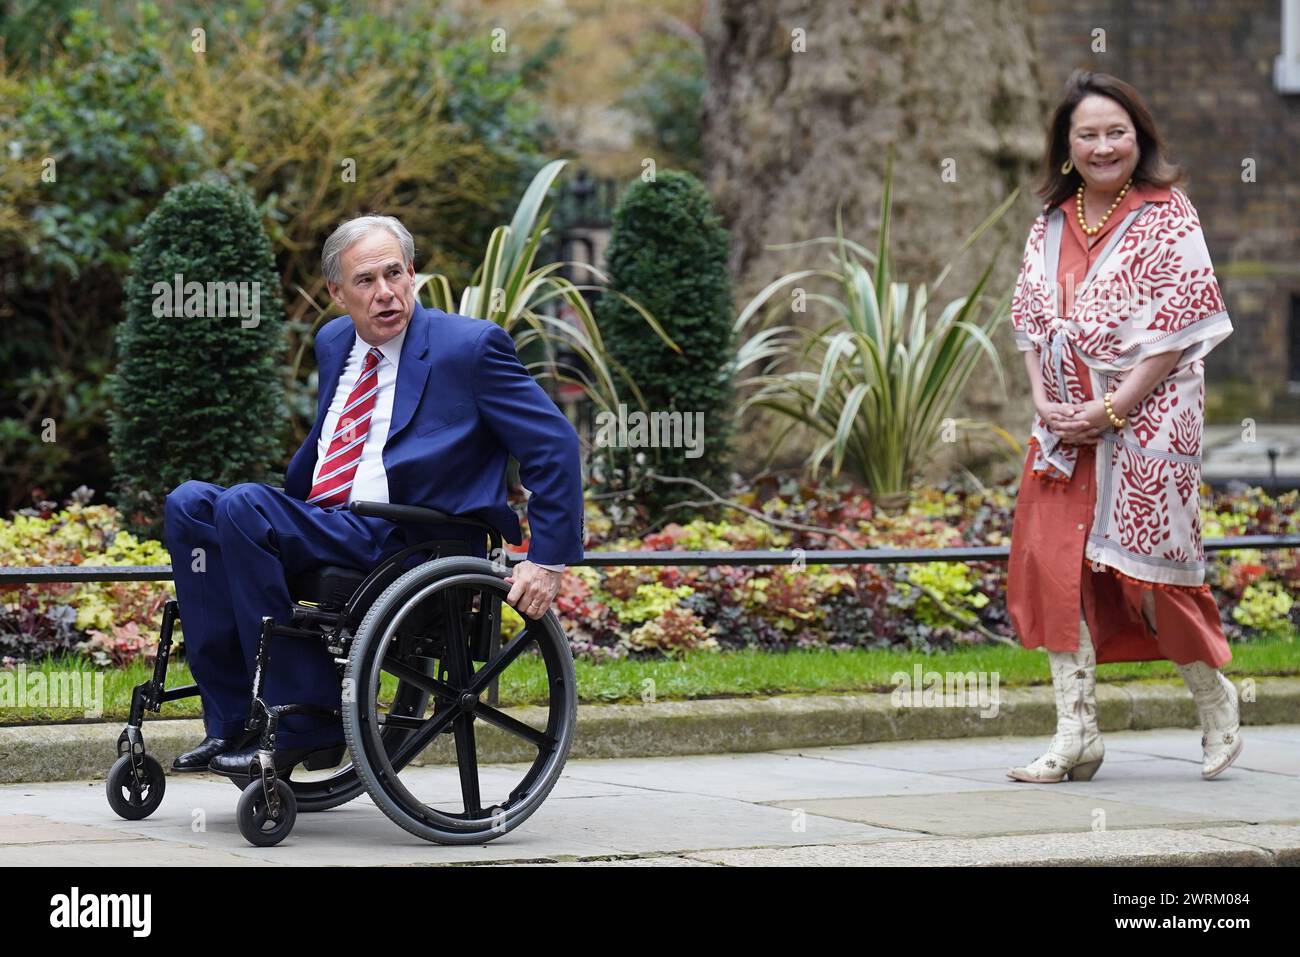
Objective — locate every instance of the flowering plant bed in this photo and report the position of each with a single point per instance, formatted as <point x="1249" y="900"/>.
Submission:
<point x="624" y="612"/>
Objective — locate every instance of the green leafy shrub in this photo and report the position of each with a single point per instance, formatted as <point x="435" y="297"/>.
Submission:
<point x="197" y="392"/>
<point x="407" y="111"/>
<point x="668" y="252"/>
<point x="90" y="143"/>
<point x="439" y="129"/>
<point x="100" y="111"/>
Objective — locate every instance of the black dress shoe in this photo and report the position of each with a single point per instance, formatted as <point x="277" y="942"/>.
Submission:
<point x="235" y="764"/>
<point x="198" y="758"/>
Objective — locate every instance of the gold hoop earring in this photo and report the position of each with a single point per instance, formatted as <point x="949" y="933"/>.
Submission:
<point x="1066" y="167"/>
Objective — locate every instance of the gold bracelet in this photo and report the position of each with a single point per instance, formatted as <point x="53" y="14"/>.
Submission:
<point x="1110" y="413"/>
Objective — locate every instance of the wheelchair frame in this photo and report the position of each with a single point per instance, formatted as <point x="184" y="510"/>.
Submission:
<point x="136" y="783"/>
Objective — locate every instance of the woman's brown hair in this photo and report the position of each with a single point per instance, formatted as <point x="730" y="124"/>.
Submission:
<point x="1152" y="168"/>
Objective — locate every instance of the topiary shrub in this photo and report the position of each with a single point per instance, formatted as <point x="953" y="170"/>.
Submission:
<point x="668" y="252"/>
<point x="197" y="392"/>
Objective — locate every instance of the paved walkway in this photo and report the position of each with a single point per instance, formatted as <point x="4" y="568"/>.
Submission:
<point x="926" y="802"/>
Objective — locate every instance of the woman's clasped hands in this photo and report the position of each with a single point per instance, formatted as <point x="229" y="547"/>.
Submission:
<point x="1076" y="423"/>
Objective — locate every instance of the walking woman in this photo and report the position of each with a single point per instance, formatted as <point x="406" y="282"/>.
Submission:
<point x="1115" y="309"/>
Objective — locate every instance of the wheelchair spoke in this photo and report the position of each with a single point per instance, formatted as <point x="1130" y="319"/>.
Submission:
<point x="541" y="739"/>
<point x="405" y="672"/>
<point x="467" y="758"/>
<point x="419" y="741"/>
<point x="492" y="669"/>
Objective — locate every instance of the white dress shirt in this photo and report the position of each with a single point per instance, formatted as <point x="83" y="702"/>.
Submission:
<point x="370" y="484"/>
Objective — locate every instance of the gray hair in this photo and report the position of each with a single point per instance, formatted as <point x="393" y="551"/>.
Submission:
<point x="331" y="257"/>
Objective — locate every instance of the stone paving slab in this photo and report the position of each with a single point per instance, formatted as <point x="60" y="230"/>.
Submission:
<point x="664" y="861"/>
<point x="20" y="829"/>
<point x="988" y="813"/>
<point x="944" y="757"/>
<point x="925" y="802"/>
<point x="1261" y="752"/>
<point x="1145" y="847"/>
<point x="118" y="853"/>
<point x="763" y="777"/>
<point x="580" y="819"/>
<point x="1281" y="840"/>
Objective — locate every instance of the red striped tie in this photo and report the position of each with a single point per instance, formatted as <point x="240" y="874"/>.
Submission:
<point x="344" y="452"/>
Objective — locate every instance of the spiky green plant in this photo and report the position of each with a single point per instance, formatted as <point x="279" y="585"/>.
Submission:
<point x="877" y="381"/>
<point x="509" y="289"/>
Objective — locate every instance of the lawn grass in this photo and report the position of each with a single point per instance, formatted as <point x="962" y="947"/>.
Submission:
<point x="702" y="675"/>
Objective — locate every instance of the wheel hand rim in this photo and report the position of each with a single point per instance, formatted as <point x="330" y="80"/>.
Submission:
<point x="448" y="710"/>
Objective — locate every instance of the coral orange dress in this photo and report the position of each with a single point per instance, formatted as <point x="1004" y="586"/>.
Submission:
<point x="1049" y="583"/>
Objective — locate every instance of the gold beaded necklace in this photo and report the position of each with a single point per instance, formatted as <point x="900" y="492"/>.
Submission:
<point x="1083" y="223"/>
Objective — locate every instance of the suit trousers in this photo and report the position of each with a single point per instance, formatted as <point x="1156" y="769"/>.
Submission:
<point x="233" y="552"/>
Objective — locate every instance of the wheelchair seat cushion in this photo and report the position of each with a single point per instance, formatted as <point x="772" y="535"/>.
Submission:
<point x="329" y="586"/>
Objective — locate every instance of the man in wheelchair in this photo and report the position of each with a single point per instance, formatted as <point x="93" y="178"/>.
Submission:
<point x="417" y="407"/>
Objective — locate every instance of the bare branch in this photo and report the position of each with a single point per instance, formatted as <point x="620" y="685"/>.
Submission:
<point x="717" y="499"/>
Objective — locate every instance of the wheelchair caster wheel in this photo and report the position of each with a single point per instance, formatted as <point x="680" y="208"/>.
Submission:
<point x="134" y="799"/>
<point x="256" y="824"/>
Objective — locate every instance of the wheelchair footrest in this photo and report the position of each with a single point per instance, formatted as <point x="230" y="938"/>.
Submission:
<point x="326" y="758"/>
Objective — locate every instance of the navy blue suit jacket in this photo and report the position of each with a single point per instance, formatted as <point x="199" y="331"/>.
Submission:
<point x="464" y="402"/>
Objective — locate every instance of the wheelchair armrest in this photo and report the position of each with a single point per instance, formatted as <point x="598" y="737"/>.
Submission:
<point x="419" y="514"/>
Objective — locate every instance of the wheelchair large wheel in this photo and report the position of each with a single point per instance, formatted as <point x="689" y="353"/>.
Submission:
<point x="458" y="804"/>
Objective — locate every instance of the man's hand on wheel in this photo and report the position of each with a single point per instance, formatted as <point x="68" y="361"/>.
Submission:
<point x="532" y="589"/>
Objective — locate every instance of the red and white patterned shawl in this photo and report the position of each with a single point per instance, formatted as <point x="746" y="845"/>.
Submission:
<point x="1151" y="290"/>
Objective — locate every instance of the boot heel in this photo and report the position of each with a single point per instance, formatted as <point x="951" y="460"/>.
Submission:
<point x="1083" y="772"/>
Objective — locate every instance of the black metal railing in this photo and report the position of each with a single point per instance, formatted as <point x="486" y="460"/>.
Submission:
<point x="48" y="574"/>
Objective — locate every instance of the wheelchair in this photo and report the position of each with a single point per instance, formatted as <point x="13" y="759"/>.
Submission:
<point x="419" y="657"/>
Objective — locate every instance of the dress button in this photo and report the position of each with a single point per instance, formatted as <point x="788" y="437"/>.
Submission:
<point x="1084" y="486"/>
<point x="1079" y="526"/>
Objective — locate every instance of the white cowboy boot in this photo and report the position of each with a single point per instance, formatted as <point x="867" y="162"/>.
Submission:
<point x="1216" y="702"/>
<point x="1076" y="750"/>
